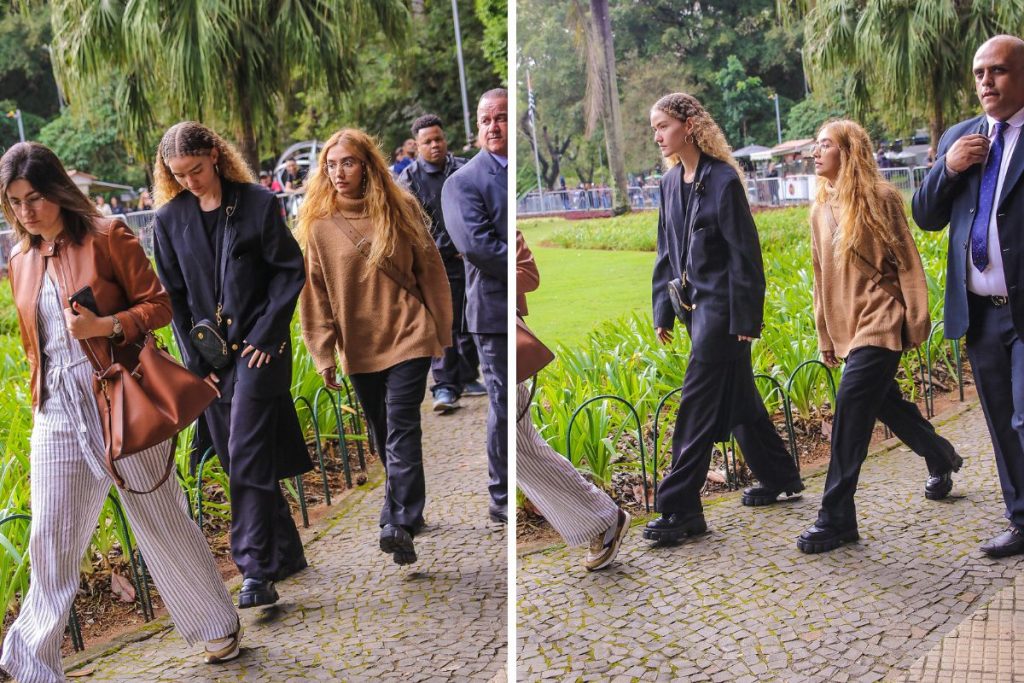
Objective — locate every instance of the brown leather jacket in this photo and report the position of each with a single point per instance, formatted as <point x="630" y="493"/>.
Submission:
<point x="527" y="275"/>
<point x="112" y="262"/>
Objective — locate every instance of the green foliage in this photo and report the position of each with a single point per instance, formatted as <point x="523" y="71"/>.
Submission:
<point x="743" y="97"/>
<point x="399" y="84"/>
<point x="88" y="141"/>
<point x="493" y="14"/>
<point x="909" y="61"/>
<point x="26" y="78"/>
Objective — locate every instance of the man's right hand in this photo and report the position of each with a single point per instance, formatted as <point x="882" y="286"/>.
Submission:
<point x="966" y="152"/>
<point x="330" y="376"/>
<point x="829" y="359"/>
<point x="664" y="334"/>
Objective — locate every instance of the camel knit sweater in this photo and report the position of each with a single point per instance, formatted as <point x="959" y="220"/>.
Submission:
<point x="850" y="310"/>
<point x="356" y="308"/>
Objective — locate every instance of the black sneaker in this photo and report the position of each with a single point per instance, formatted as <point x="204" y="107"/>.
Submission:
<point x="256" y="592"/>
<point x="675" y="527"/>
<point x="397" y="540"/>
<point x="823" y="539"/>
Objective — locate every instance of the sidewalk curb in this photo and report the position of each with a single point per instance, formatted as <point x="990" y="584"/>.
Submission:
<point x="819" y="470"/>
<point x="77" y="661"/>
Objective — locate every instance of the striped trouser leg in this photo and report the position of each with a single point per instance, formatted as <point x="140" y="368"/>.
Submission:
<point x="66" y="501"/>
<point x="577" y="509"/>
<point x="175" y="550"/>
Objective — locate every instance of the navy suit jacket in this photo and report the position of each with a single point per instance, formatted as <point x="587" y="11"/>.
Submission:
<point x="263" y="277"/>
<point x="475" y="204"/>
<point x="725" y="275"/>
<point x="941" y="200"/>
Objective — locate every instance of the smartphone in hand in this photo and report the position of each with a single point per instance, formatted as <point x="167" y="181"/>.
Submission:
<point x="86" y="299"/>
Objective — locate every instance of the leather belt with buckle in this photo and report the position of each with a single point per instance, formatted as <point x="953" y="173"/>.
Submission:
<point x="998" y="301"/>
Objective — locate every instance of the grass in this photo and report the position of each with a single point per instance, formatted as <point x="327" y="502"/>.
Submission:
<point x="581" y="288"/>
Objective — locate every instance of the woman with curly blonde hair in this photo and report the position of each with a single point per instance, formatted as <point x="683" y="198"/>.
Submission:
<point x="378" y="296"/>
<point x="234" y="272"/>
<point x="870" y="305"/>
<point x="708" y="274"/>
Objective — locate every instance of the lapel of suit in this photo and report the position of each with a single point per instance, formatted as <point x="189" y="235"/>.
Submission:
<point x="1013" y="171"/>
<point x="495" y="168"/>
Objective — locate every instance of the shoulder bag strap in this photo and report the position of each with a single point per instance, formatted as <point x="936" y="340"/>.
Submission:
<point x="388" y="268"/>
<point x="692" y="206"/>
<point x="868" y="269"/>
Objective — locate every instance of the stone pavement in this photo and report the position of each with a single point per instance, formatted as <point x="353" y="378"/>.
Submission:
<point x="743" y="604"/>
<point x="356" y="616"/>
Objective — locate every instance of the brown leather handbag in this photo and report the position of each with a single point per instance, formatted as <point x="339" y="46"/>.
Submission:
<point x="531" y="354"/>
<point x="147" y="405"/>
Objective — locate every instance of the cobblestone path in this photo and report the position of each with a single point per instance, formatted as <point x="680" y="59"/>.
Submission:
<point x="743" y="604"/>
<point x="356" y="616"/>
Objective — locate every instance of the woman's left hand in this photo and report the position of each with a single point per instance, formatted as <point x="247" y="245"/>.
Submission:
<point x="84" y="324"/>
<point x="259" y="358"/>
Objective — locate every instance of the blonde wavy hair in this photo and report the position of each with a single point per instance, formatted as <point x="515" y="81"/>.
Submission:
<point x="395" y="213"/>
<point x="708" y="137"/>
<point x="864" y="199"/>
<point x="191" y="139"/>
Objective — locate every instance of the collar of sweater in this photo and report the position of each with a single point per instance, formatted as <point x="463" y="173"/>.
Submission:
<point x="351" y="208"/>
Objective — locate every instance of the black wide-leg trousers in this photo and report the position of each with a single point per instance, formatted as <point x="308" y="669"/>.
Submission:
<point x="867" y="392"/>
<point x="391" y="402"/>
<point x="719" y="397"/>
<point x="249" y="434"/>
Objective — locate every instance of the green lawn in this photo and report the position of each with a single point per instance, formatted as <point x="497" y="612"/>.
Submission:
<point x="580" y="288"/>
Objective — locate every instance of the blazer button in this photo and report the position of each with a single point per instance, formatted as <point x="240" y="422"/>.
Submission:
<point x="1000" y="215"/>
<point x="229" y="322"/>
<point x="234" y="347"/>
<point x="964" y="245"/>
<point x="971" y="211"/>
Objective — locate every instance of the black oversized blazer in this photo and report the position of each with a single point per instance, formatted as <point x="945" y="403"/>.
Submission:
<point x="725" y="275"/>
<point x="263" y="277"/>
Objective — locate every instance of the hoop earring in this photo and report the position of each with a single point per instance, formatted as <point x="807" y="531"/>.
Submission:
<point x="216" y="169"/>
<point x="689" y="139"/>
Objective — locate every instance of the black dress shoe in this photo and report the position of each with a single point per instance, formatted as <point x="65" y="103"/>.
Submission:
<point x="819" y="539"/>
<point x="397" y="540"/>
<point x="498" y="514"/>
<point x="1010" y="542"/>
<point x="763" y="495"/>
<point x="256" y="592"/>
<point x="675" y="527"/>
<point x="939" y="485"/>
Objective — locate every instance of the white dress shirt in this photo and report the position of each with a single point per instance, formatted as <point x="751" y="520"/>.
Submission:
<point x="991" y="282"/>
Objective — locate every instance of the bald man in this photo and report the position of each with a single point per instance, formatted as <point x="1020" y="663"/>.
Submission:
<point x="474" y="200"/>
<point x="976" y="187"/>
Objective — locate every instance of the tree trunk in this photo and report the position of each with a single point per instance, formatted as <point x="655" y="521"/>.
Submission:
<point x="612" y="118"/>
<point x="938" y="123"/>
<point x="247" y="135"/>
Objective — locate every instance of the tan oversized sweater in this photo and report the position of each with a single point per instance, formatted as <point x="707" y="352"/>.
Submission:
<point x="850" y="310"/>
<point x="356" y="308"/>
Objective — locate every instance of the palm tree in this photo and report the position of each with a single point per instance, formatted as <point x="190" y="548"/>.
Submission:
<point x="909" y="59"/>
<point x="602" y="99"/>
<point x="231" y="62"/>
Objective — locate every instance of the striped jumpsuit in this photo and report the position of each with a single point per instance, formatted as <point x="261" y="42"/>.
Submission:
<point x="577" y="509"/>
<point x="69" y="486"/>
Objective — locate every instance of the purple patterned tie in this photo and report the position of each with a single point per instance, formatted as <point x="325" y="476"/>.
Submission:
<point x="986" y="198"/>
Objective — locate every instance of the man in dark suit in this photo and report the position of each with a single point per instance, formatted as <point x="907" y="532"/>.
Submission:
<point x="455" y="371"/>
<point x="475" y="204"/>
<point x="975" y="186"/>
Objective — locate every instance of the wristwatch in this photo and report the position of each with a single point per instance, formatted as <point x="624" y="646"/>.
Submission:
<point x="118" y="330"/>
